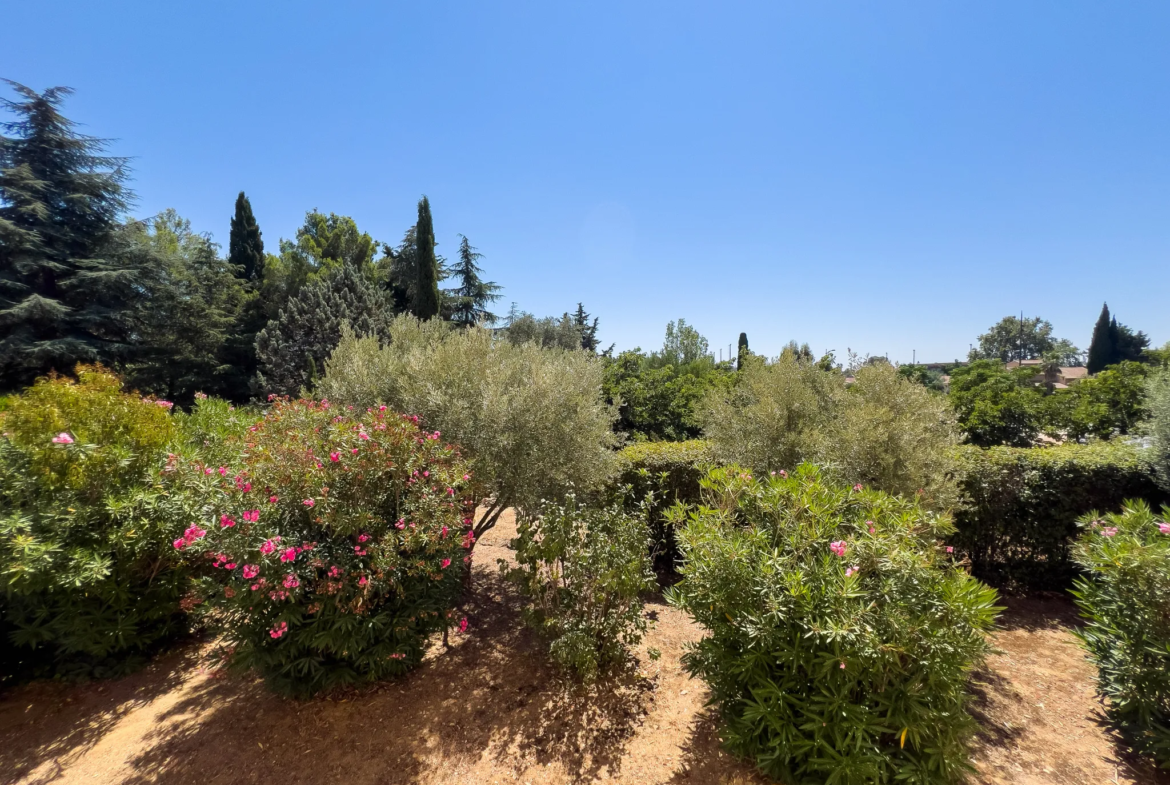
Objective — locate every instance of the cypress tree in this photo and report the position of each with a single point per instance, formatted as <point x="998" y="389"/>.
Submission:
<point x="1102" y="350"/>
<point x="587" y="329"/>
<point x="294" y="346"/>
<point x="426" y="303"/>
<point x="66" y="289"/>
<point x="741" y="354"/>
<point x="473" y="295"/>
<point x="246" y="247"/>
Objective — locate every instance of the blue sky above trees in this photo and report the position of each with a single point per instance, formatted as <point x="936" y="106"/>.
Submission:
<point x="885" y="177"/>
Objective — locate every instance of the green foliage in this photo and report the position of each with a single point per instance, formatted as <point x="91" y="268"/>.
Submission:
<point x="652" y="477"/>
<point x="742" y="352"/>
<point x="582" y="570"/>
<point x="246" y="245"/>
<point x="333" y="548"/>
<point x="471" y="298"/>
<point x="840" y="635"/>
<point x="331" y="240"/>
<point x="930" y="378"/>
<point x="1125" y="598"/>
<point x="1115" y="343"/>
<point x="1028" y="339"/>
<point x="88" y="581"/>
<point x="883" y="430"/>
<point x="548" y="333"/>
<point x="1019" y="508"/>
<point x="297" y="343"/>
<point x="531" y="420"/>
<point x="1110" y="403"/>
<point x="426" y="303"/>
<point x="66" y="286"/>
<point x="995" y="405"/>
<point x="1158" y="391"/>
<point x="683" y="344"/>
<point x="1101" y="348"/>
<point x="660" y="402"/>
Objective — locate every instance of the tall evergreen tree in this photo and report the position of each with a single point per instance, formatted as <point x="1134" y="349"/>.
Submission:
<point x="426" y="304"/>
<point x="66" y="286"/>
<point x="294" y="346"/>
<point x="471" y="298"/>
<point x="1102" y="350"/>
<point x="1127" y="345"/>
<point x="246" y="246"/>
<point x="742" y="352"/>
<point x="587" y="329"/>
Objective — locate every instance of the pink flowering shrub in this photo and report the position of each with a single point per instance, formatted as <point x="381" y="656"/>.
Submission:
<point x="839" y="632"/>
<point x="89" y="581"/>
<point x="333" y="547"/>
<point x="1124" y="596"/>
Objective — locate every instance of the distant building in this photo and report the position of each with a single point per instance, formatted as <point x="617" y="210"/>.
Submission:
<point x="1059" y="379"/>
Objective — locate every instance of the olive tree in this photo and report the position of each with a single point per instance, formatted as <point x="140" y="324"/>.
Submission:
<point x="532" y="420"/>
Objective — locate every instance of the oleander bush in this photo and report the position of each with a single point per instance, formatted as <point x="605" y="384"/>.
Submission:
<point x="1125" y="598"/>
<point x="89" y="584"/>
<point x="840" y="633"/>
<point x="582" y="569"/>
<point x="1016" y="520"/>
<point x="334" y="548"/>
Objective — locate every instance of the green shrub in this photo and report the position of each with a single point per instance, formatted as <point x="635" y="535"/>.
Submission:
<point x="884" y="431"/>
<point x="89" y="582"/>
<point x="839" y="634"/>
<point x="531" y="420"/>
<point x="334" y="548"/>
<point x="655" y="475"/>
<point x="583" y="569"/>
<point x="1017" y="518"/>
<point x="1125" y="596"/>
<point x="1158" y="391"/>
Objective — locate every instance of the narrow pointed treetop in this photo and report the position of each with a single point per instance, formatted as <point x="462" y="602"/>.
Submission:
<point x="742" y="352"/>
<point x="246" y="247"/>
<point x="426" y="304"/>
<point x="1101" y="350"/>
<point x="473" y="295"/>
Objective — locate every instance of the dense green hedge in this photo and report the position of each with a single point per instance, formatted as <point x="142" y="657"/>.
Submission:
<point x="671" y="470"/>
<point x="1017" y="519"/>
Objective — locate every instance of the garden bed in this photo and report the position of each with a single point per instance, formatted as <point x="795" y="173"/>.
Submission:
<point x="491" y="710"/>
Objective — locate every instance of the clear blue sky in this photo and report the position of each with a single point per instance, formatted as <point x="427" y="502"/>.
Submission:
<point x="883" y="176"/>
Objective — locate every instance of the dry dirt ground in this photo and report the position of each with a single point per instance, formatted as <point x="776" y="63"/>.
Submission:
<point x="491" y="710"/>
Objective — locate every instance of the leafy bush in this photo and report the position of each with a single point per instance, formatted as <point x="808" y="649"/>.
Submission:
<point x="884" y="430"/>
<point x="660" y="400"/>
<point x="996" y="405"/>
<point x="1017" y="517"/>
<point x="1158" y="390"/>
<point x="89" y="582"/>
<point x="839" y="633"/>
<point x="1112" y="402"/>
<point x="652" y="476"/>
<point x="1126" y="599"/>
<point x="531" y="420"/>
<point x="583" y="569"/>
<point x="334" y="548"/>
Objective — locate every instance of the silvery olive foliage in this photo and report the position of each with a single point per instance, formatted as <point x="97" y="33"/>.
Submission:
<point x="532" y="421"/>
<point x="883" y="431"/>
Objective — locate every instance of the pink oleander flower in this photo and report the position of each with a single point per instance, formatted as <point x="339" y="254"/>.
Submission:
<point x="335" y="571"/>
<point x="62" y="438"/>
<point x="1164" y="527"/>
<point x="335" y="456"/>
<point x="308" y="502"/>
<point x="446" y="563"/>
<point x="200" y="396"/>
<point x="443" y="533"/>
<point x="359" y="550"/>
<point x="226" y="523"/>
<point x="365" y="437"/>
<point x="842" y="666"/>
<point x="279" y="630"/>
<point x="950" y="549"/>
<point x="857" y="487"/>
<point x="273" y="499"/>
<point x="400" y="525"/>
<point x="838" y="548"/>
<point x="783" y="473"/>
<point x="208" y="470"/>
<point x="244" y="487"/>
<point x="463" y="624"/>
<point x="382" y="408"/>
<point x="268" y="547"/>
<point x="193" y="533"/>
<point x="289" y="554"/>
<point x="450" y="491"/>
<point x="251" y="515"/>
<point x="469" y="539"/>
<point x="230" y="565"/>
<point x="466" y="477"/>
<point x="362" y="581"/>
<point x="291" y="581"/>
<point x="251" y="571"/>
<point x="363" y="537"/>
<point x="426" y="474"/>
<point x="180" y="544"/>
<point x="354" y="451"/>
<point x="223" y="471"/>
<point x="271" y="396"/>
<point x="852" y="571"/>
<point x="164" y="404"/>
<point x="1109" y="531"/>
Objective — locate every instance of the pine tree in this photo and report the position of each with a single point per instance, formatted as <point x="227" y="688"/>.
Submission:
<point x="742" y="352"/>
<point x="587" y="329"/>
<point x="294" y="346"/>
<point x="1128" y="345"/>
<point x="470" y="299"/>
<point x="246" y="246"/>
<point x="426" y="304"/>
<point x="1102" y="350"/>
<point x="67" y="286"/>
